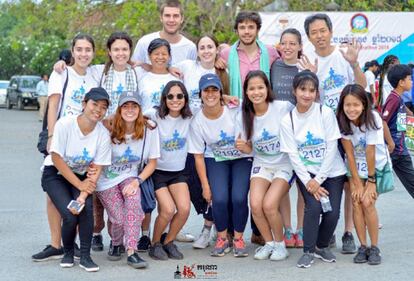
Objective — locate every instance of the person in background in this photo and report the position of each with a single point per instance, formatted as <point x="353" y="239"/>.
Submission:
<point x="370" y="74"/>
<point x="385" y="88"/>
<point x="41" y="91"/>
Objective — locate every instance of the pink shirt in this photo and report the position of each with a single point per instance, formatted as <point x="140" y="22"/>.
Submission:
<point x="245" y="64"/>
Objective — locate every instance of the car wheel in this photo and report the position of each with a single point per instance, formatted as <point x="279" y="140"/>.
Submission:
<point x="8" y="103"/>
<point x="20" y="105"/>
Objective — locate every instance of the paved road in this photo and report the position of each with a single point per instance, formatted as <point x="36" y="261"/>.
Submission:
<point x="24" y="230"/>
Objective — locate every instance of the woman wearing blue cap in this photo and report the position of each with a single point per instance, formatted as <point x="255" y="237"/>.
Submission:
<point x="220" y="159"/>
<point x="77" y="142"/>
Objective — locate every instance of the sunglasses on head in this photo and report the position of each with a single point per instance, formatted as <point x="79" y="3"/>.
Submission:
<point x="178" y="96"/>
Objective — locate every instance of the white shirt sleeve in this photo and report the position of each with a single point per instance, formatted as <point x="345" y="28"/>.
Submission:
<point x="375" y="136"/>
<point x="103" y="151"/>
<point x="196" y="144"/>
<point x="60" y="138"/>
<point x="330" y="124"/>
<point x="154" y="143"/>
<point x="56" y="83"/>
<point x="140" y="52"/>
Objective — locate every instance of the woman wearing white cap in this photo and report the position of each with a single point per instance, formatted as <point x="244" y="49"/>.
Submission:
<point x="118" y="187"/>
<point x="77" y="142"/>
<point x="220" y="159"/>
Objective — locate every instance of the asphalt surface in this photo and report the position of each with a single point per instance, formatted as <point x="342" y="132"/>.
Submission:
<point x="24" y="231"/>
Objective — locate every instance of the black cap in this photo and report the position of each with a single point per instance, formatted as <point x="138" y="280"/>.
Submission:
<point x="97" y="94"/>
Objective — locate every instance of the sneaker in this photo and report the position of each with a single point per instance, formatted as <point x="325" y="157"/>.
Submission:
<point x="184" y="237"/>
<point x="76" y="251"/>
<point x="172" y="251"/>
<point x="305" y="260"/>
<point x="332" y="242"/>
<point x="144" y="243"/>
<point x="239" y="248"/>
<point x="162" y="238"/>
<point x="348" y="244"/>
<point x="279" y="252"/>
<point x="257" y="239"/>
<point x="48" y="253"/>
<point x="67" y="260"/>
<point x="87" y="263"/>
<point x="136" y="261"/>
<point x="221" y="248"/>
<point x="97" y="243"/>
<point x="299" y="238"/>
<point x="263" y="252"/>
<point x="362" y="255"/>
<point x="121" y="247"/>
<point x="289" y="238"/>
<point x="325" y="254"/>
<point x="157" y="252"/>
<point x="203" y="240"/>
<point x="374" y="256"/>
<point x="114" y="253"/>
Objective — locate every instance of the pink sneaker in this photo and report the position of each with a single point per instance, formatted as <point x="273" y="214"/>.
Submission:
<point x="299" y="239"/>
<point x="290" y="239"/>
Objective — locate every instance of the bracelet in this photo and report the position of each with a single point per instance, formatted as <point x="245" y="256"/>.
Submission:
<point x="140" y="180"/>
<point x="371" y="180"/>
<point x="355" y="65"/>
<point x="50" y="136"/>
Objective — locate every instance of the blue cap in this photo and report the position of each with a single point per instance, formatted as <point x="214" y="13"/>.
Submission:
<point x="96" y="94"/>
<point x="209" y="80"/>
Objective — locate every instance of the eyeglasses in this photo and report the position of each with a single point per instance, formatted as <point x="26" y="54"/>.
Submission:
<point x="178" y="96"/>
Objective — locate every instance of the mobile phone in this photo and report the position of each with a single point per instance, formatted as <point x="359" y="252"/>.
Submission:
<point x="76" y="206"/>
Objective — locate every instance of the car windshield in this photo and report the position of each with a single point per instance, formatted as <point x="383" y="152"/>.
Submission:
<point x="3" y="85"/>
<point x="29" y="83"/>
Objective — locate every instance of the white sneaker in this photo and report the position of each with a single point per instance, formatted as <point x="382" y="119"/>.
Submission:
<point x="263" y="252"/>
<point x="203" y="240"/>
<point x="279" y="252"/>
<point x="184" y="237"/>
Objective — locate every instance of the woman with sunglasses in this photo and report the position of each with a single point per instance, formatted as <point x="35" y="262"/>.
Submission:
<point x="170" y="183"/>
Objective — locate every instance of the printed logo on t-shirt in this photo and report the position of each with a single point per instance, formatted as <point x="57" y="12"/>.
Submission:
<point x="175" y="143"/>
<point x="79" y="163"/>
<point x="156" y="97"/>
<point x="312" y="151"/>
<point x="332" y="82"/>
<point x="195" y="101"/>
<point x="78" y="95"/>
<point x="121" y="164"/>
<point x="268" y="144"/>
<point x="114" y="99"/>
<point x="360" y="159"/>
<point x="224" y="149"/>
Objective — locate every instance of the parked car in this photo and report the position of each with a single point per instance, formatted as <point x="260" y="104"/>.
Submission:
<point x="22" y="91"/>
<point x="3" y="91"/>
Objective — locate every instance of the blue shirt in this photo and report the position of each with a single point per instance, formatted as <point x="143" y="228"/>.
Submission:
<point x="41" y="88"/>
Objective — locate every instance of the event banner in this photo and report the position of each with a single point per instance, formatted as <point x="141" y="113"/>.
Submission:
<point x="380" y="33"/>
<point x="409" y="134"/>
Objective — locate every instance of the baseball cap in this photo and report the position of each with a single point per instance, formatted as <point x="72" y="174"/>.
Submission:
<point x="129" y="96"/>
<point x="209" y="80"/>
<point x="96" y="94"/>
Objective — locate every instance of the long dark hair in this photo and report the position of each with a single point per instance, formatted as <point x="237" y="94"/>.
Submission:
<point x="247" y="106"/>
<point x="295" y="32"/>
<point x="221" y="73"/>
<point x="163" y="108"/>
<point x="304" y="78"/>
<point x="366" y="118"/>
<point x="112" y="38"/>
<point x="388" y="61"/>
<point x="81" y="36"/>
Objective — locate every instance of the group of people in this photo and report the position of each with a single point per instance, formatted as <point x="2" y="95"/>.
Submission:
<point x="225" y="128"/>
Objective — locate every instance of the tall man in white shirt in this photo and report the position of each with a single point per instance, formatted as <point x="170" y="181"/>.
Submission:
<point x="171" y="17"/>
<point x="335" y="67"/>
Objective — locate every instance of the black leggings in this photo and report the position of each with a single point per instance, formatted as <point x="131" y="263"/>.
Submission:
<point x="61" y="192"/>
<point x="316" y="231"/>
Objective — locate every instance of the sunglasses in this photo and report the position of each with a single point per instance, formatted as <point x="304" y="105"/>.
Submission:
<point x="178" y="96"/>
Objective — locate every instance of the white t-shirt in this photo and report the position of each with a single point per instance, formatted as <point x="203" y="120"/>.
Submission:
<point x="126" y="158"/>
<point x="192" y="72"/>
<point x="369" y="75"/>
<point x="360" y="140"/>
<point x="119" y="84"/>
<point x="266" y="135"/>
<point x="78" y="150"/>
<point x="215" y="138"/>
<point x="334" y="73"/>
<point x="182" y="50"/>
<point x="309" y="136"/>
<point x="174" y="134"/>
<point x="78" y="86"/>
<point x="150" y="89"/>
<point x="386" y="89"/>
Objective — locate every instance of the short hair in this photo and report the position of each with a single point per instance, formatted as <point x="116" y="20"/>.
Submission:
<point x="397" y="73"/>
<point x="172" y="4"/>
<point x="157" y="43"/>
<point x="310" y="19"/>
<point x="248" y="15"/>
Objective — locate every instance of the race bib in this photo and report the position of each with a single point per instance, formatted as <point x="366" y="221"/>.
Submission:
<point x="362" y="167"/>
<point x="225" y="153"/>
<point x="332" y="100"/>
<point x="115" y="170"/>
<point x="267" y="147"/>
<point x="401" y="121"/>
<point x="312" y="154"/>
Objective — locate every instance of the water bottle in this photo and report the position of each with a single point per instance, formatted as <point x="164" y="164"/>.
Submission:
<point x="326" y="204"/>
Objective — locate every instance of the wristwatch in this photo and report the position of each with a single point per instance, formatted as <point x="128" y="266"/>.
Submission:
<point x="372" y="179"/>
<point x="140" y="180"/>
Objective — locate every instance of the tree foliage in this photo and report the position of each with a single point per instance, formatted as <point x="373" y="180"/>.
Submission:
<point x="32" y="32"/>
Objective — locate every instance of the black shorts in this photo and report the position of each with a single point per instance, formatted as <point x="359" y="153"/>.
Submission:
<point x="166" y="178"/>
